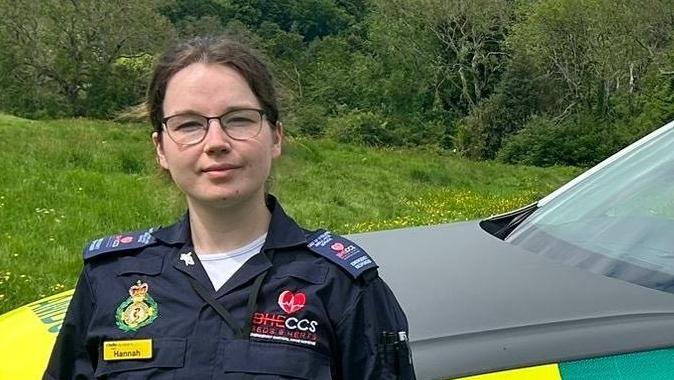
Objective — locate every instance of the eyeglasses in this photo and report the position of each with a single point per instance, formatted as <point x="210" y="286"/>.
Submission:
<point x="191" y="128"/>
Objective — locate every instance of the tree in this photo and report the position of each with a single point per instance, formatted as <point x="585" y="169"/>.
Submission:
<point x="582" y="66"/>
<point x="66" y="45"/>
<point x="310" y="18"/>
<point x="592" y="50"/>
<point x="471" y="55"/>
<point x="198" y="17"/>
<point x="516" y="98"/>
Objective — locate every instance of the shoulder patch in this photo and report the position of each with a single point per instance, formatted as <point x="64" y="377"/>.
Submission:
<point x="120" y="242"/>
<point x="342" y="252"/>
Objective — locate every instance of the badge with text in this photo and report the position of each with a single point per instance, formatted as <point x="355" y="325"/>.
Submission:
<point x="342" y="252"/>
<point x="138" y="310"/>
<point x="284" y="327"/>
<point x="127" y="349"/>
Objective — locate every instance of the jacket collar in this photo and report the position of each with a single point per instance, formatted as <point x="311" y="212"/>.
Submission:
<point x="177" y="233"/>
<point x="283" y="230"/>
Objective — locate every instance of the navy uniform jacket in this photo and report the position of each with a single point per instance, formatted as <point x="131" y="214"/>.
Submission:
<point x="310" y="306"/>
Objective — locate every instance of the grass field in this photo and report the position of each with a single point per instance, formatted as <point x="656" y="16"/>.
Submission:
<point x="65" y="182"/>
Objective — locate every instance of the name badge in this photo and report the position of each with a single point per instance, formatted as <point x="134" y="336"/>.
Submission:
<point x="127" y="349"/>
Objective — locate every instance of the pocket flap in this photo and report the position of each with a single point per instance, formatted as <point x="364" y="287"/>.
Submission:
<point x="309" y="272"/>
<point x="149" y="266"/>
<point x="166" y="353"/>
<point x="244" y="356"/>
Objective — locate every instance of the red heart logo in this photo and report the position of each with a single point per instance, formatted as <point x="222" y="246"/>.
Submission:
<point x="290" y="302"/>
<point x="337" y="247"/>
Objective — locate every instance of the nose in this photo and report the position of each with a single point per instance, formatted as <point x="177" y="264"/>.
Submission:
<point x="216" y="140"/>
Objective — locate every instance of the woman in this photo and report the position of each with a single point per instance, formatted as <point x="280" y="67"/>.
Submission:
<point x="235" y="289"/>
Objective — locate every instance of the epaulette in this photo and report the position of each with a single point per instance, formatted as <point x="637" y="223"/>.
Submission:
<point x="120" y="242"/>
<point x="342" y="252"/>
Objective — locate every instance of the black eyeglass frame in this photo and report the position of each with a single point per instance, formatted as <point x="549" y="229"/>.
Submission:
<point x="208" y="124"/>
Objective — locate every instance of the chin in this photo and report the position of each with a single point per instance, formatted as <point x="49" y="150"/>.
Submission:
<point x="224" y="199"/>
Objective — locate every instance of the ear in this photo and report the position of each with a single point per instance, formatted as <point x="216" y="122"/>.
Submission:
<point x="159" y="150"/>
<point x="277" y="140"/>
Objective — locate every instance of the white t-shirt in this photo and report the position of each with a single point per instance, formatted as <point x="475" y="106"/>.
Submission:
<point x="222" y="265"/>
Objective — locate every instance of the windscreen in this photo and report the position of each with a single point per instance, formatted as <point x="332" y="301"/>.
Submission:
<point x="618" y="222"/>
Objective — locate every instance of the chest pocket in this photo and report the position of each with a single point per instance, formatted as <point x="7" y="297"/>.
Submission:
<point x="168" y="354"/>
<point x="244" y="359"/>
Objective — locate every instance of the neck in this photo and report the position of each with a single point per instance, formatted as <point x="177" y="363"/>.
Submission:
<point x="223" y="229"/>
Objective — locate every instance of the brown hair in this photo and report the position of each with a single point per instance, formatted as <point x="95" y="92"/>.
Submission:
<point x="217" y="50"/>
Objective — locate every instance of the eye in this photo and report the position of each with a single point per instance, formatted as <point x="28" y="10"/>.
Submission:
<point x="238" y="121"/>
<point x="241" y="119"/>
<point x="189" y="126"/>
<point x="186" y="123"/>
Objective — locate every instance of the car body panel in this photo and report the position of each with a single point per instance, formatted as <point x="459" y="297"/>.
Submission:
<point x="649" y="365"/>
<point x="542" y="372"/>
<point x="508" y="308"/>
<point x="28" y="335"/>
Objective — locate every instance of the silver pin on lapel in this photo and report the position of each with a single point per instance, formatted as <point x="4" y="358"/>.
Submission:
<point x="187" y="258"/>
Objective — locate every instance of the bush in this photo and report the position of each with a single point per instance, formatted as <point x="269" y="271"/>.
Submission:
<point x="421" y="130"/>
<point x="580" y="141"/>
<point x="480" y="135"/>
<point x="361" y="127"/>
<point x="307" y="120"/>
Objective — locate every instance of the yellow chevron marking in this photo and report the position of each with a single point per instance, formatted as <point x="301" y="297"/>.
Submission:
<point x="542" y="372"/>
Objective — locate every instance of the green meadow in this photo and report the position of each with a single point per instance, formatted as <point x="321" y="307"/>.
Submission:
<point x="64" y="182"/>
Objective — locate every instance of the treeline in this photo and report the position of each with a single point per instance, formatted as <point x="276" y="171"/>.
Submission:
<point x="539" y="82"/>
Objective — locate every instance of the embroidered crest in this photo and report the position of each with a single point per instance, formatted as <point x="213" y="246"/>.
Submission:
<point x="138" y="310"/>
<point x="290" y="302"/>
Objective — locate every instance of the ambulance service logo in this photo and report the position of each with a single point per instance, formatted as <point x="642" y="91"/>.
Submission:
<point x="291" y="303"/>
<point x="344" y="252"/>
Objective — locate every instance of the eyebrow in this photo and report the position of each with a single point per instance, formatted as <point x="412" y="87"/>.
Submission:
<point x="226" y="110"/>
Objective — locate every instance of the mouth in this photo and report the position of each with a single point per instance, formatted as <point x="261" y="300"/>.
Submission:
<point x="219" y="170"/>
<point x="219" y="167"/>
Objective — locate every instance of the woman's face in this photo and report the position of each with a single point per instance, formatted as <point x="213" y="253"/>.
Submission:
<point x="218" y="171"/>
